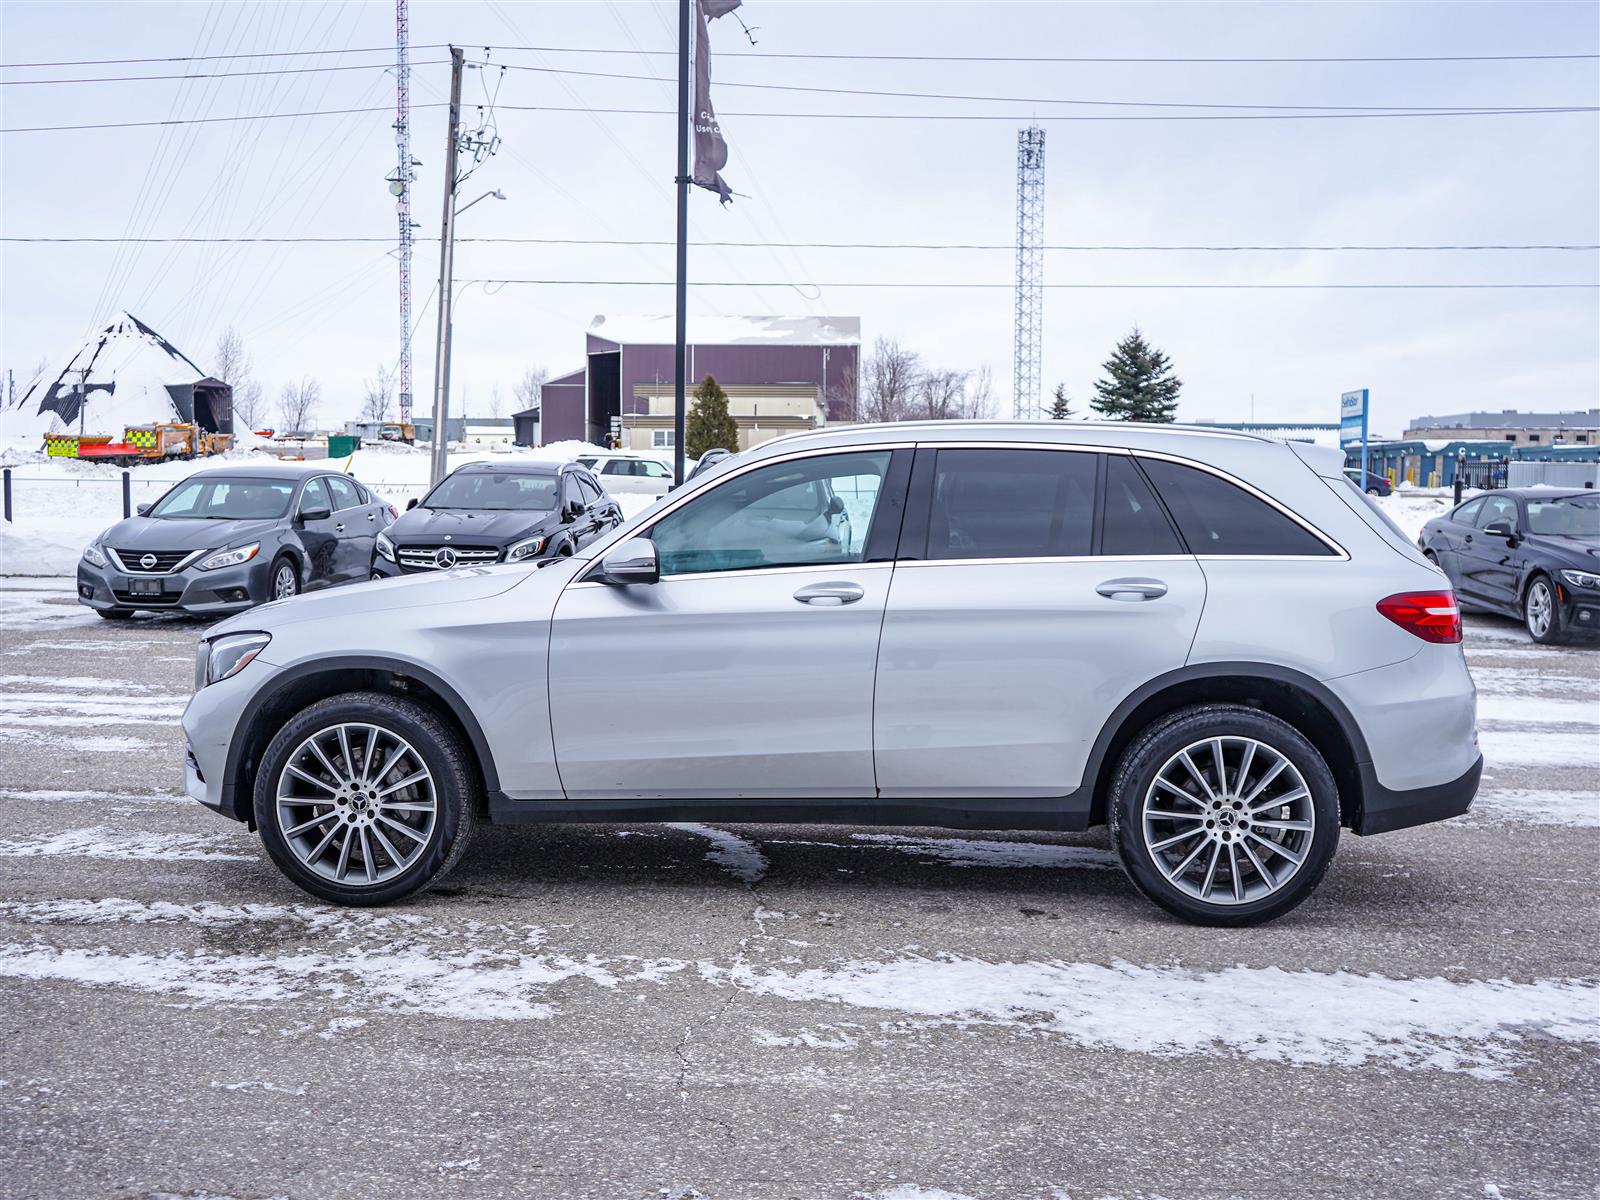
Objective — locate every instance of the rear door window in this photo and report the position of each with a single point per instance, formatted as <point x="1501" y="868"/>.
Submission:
<point x="1132" y="522"/>
<point x="1217" y="517"/>
<point x="344" y="492"/>
<point x="1012" y="504"/>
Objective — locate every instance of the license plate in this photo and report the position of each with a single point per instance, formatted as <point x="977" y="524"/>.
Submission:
<point x="145" y="587"/>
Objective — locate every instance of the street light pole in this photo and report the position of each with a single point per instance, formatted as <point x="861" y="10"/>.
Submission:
<point x="678" y="404"/>
<point x="447" y="249"/>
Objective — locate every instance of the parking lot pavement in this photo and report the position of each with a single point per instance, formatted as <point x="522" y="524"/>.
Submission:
<point x="773" y="1011"/>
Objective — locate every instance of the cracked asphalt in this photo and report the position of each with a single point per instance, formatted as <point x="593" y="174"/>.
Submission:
<point x="772" y="1011"/>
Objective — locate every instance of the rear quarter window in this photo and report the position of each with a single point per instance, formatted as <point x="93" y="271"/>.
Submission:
<point x="1218" y="517"/>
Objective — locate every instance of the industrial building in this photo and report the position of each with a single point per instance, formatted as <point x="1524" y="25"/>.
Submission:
<point x="781" y="374"/>
<point x="1580" y="428"/>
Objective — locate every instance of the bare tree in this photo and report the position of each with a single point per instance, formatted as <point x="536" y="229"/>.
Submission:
<point x="528" y="389"/>
<point x="497" y="404"/>
<point x="298" y="403"/>
<point x="841" y="401"/>
<point x="249" y="405"/>
<point x="891" y="381"/>
<point x="980" y="394"/>
<point x="232" y="363"/>
<point x="375" y="402"/>
<point x="940" y="396"/>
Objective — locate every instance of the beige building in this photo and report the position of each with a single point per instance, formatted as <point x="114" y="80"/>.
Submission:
<point x="762" y="412"/>
<point x="1577" y="428"/>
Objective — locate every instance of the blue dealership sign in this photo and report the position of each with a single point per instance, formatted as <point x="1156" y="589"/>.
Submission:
<point x="1353" y="425"/>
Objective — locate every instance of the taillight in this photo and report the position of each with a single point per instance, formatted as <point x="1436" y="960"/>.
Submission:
<point x="393" y="514"/>
<point x="1431" y="616"/>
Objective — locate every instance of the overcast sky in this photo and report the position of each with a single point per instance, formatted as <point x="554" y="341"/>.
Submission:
<point x="329" y="311"/>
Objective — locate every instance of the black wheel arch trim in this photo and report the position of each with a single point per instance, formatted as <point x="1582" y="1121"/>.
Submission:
<point x="288" y="677"/>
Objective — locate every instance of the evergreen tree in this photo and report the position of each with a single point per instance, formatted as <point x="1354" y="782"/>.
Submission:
<point x="1061" y="405"/>
<point x="710" y="424"/>
<point x="1140" y="384"/>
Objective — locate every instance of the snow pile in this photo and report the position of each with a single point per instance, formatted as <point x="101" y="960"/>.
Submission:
<point x="130" y="367"/>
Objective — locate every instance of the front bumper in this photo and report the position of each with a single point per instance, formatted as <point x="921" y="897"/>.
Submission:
<point x="207" y="593"/>
<point x="209" y="724"/>
<point x="1384" y="810"/>
<point x="1580" y="610"/>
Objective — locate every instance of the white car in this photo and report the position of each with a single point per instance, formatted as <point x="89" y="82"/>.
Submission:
<point x="624" y="474"/>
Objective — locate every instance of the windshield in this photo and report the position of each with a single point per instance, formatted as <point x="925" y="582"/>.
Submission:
<point x="213" y="499"/>
<point x="1566" y="516"/>
<point x="495" y="491"/>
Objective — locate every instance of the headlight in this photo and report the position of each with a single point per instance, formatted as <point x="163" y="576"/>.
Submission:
<point x="226" y="656"/>
<point x="93" y="554"/>
<point x="526" y="548"/>
<point x="230" y="558"/>
<point x="1582" y="579"/>
<point x="385" y="547"/>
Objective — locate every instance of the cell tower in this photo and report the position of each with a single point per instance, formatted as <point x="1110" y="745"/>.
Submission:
<point x="400" y="185"/>
<point x="1030" y="274"/>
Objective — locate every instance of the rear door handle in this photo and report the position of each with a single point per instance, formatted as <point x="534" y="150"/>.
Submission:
<point x="830" y="594"/>
<point x="1132" y="589"/>
<point x="372" y="516"/>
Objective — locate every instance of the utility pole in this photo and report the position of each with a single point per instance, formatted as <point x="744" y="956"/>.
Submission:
<point x="1027" y="335"/>
<point x="447" y="247"/>
<point x="83" y="396"/>
<point x="400" y="186"/>
<point x="678" y="409"/>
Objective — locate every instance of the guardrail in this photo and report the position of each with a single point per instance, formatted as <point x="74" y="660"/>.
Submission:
<point x="124" y="479"/>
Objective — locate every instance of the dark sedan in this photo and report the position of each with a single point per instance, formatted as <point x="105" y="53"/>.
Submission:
<point x="1375" y="484"/>
<point x="484" y="513"/>
<point x="1530" y="553"/>
<point x="228" y="538"/>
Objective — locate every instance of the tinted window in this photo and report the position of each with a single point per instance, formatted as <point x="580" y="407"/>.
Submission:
<point x="315" y="496"/>
<point x="617" y="466"/>
<point x="811" y="510"/>
<point x="1133" y="522"/>
<point x="1570" y="516"/>
<point x="496" y="491"/>
<point x="1011" y="504"/>
<point x="589" y="491"/>
<point x="226" y="500"/>
<point x="1216" y="517"/>
<point x="344" y="492"/>
<point x="1467" y="514"/>
<point x="1497" y="508"/>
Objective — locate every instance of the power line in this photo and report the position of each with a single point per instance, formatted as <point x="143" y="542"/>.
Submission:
<point x="377" y="66"/>
<point x="972" y="58"/>
<point x="640" y="242"/>
<point x="842" y="116"/>
<point x="902" y="95"/>
<point x="1223" y="287"/>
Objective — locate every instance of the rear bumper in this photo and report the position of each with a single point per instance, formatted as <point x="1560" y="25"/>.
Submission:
<point x="1384" y="810"/>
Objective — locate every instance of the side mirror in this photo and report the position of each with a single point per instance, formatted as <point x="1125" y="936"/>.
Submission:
<point x="411" y="503"/>
<point x="1500" y="529"/>
<point x="634" y="561"/>
<point x="572" y="510"/>
<point x="315" y="514"/>
<point x="142" y="509"/>
<point x="835" y="507"/>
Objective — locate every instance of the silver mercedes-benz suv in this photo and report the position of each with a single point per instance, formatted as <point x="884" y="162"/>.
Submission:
<point x="1211" y="642"/>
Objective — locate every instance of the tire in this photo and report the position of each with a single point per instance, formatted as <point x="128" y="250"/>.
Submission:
<point x="1296" y="869"/>
<point x="284" y="582"/>
<point x="115" y="614"/>
<point x="1541" y="597"/>
<point x="1372" y="491"/>
<point x="405" y="865"/>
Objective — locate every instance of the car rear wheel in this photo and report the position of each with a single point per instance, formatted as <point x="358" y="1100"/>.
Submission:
<point x="1540" y="612"/>
<point x="1224" y="815"/>
<point x="365" y="798"/>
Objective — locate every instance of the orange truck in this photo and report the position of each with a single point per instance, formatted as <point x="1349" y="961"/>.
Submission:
<point x="140" y="443"/>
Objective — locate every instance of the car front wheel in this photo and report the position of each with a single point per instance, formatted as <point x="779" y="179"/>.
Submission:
<point x="1224" y="815"/>
<point x="1540" y="612"/>
<point x="365" y="798"/>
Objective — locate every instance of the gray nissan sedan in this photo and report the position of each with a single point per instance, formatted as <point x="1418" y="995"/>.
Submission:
<point x="228" y="538"/>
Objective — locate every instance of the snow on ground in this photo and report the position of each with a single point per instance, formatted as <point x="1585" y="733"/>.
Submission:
<point x="1267" y="1014"/>
<point x="976" y="852"/>
<point x="741" y="859"/>
<point x="61" y="504"/>
<point x="121" y="844"/>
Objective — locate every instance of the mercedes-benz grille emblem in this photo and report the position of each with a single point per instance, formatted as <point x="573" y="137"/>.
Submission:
<point x="444" y="558"/>
<point x="148" y="562"/>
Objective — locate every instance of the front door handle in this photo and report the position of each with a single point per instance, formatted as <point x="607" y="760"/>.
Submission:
<point x="339" y="528"/>
<point x="1132" y="589"/>
<point x="830" y="594"/>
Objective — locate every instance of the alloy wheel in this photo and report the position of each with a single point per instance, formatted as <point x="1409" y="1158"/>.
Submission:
<point x="1228" y="820"/>
<point x="356" y="804"/>
<point x="1540" y="607"/>
<point x="284" y="583"/>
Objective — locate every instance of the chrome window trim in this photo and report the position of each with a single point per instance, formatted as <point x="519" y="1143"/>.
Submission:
<point x="752" y="572"/>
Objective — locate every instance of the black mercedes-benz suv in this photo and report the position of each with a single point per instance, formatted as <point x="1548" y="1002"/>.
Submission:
<point x="486" y="512"/>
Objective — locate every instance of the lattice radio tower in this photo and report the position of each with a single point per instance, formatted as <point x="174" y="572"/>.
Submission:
<point x="1028" y="334"/>
<point x="400" y="186"/>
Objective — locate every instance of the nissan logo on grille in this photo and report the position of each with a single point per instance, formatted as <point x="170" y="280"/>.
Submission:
<point x="444" y="558"/>
<point x="148" y="562"/>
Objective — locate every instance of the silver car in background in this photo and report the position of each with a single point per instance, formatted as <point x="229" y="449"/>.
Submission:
<point x="1209" y="641"/>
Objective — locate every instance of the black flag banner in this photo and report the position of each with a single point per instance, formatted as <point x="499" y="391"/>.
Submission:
<point x="710" y="151"/>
